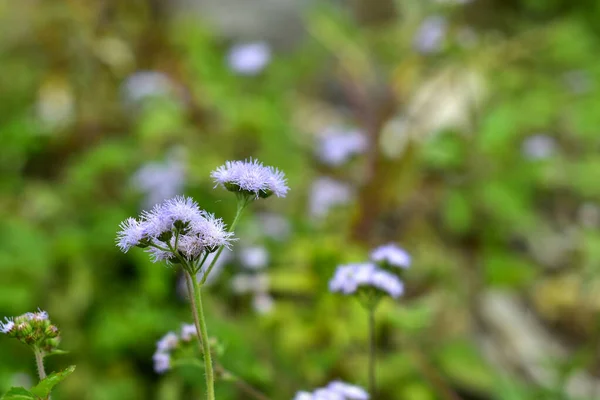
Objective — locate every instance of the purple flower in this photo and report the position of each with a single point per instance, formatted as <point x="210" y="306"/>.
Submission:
<point x="348" y="279"/>
<point x="252" y="178"/>
<point x="162" y="362"/>
<point x="303" y="396"/>
<point x="144" y="84"/>
<point x="188" y="331"/>
<point x="177" y="224"/>
<point x="327" y="193"/>
<point x="8" y="325"/>
<point x="167" y="343"/>
<point x="249" y="58"/>
<point x="337" y="146"/>
<point x="392" y="255"/>
<point x="430" y="35"/>
<point x="160" y="181"/>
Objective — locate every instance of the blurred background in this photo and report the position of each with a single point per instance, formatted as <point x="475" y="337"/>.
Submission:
<point x="466" y="131"/>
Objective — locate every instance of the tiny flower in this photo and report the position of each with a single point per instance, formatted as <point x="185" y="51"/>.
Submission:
<point x="188" y="331"/>
<point x="251" y="178"/>
<point x="247" y="283"/>
<point x="392" y="255"/>
<point x="254" y="257"/>
<point x="430" y="34"/>
<point x="8" y="325"/>
<point x="274" y="226"/>
<point x="167" y="342"/>
<point x="348" y="279"/>
<point x="249" y="58"/>
<point x="162" y="362"/>
<point x="337" y="146"/>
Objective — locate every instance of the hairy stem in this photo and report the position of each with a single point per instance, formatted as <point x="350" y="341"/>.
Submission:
<point x="39" y="360"/>
<point x="198" y="312"/>
<point x="372" y="351"/>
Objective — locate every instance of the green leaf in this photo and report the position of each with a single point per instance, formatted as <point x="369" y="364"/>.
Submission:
<point x="18" y="393"/>
<point x="44" y="388"/>
<point x="57" y="352"/>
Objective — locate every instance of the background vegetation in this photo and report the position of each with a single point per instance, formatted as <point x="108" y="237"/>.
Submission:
<point x="482" y="161"/>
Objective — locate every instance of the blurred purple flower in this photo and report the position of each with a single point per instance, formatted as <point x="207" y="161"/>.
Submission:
<point x="160" y="181"/>
<point x="162" y="362"/>
<point x="392" y="255"/>
<point x="349" y="278"/>
<point x="254" y="257"/>
<point x="430" y="35"/>
<point x="326" y="193"/>
<point x="249" y="58"/>
<point x="336" y="390"/>
<point x="338" y="145"/>
<point x="538" y="147"/>
<point x="143" y="84"/>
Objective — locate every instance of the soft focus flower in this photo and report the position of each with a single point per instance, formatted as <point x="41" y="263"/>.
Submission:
<point x="7" y="325"/>
<point x="252" y="178"/>
<point x="430" y="35"/>
<point x="351" y="392"/>
<point x="162" y="362"/>
<point x="538" y="147"/>
<point x="348" y="279"/>
<point x="338" y="145"/>
<point x="326" y="193"/>
<point x="250" y="283"/>
<point x="336" y="390"/>
<point x="143" y="84"/>
<point x="274" y="226"/>
<point x="392" y="255"/>
<point x="160" y="181"/>
<point x="188" y="331"/>
<point x="167" y="342"/>
<point x="199" y="232"/>
<point x="263" y="303"/>
<point x="249" y="58"/>
<point x="254" y="257"/>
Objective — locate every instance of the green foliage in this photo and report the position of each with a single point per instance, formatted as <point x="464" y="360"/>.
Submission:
<point x="45" y="386"/>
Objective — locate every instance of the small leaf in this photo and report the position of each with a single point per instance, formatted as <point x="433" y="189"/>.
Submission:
<point x="44" y="388"/>
<point x="57" y="352"/>
<point x="19" y="393"/>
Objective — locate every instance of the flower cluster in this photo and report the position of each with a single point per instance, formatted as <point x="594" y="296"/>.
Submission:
<point x="33" y="329"/>
<point x="170" y="342"/>
<point x="175" y="229"/>
<point x="335" y="390"/>
<point x="348" y="279"/>
<point x="251" y="179"/>
<point x="380" y="274"/>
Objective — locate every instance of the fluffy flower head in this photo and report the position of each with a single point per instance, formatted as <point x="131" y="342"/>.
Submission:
<point x="7" y="325"/>
<point x="249" y="58"/>
<point x="252" y="178"/>
<point x="167" y="343"/>
<point x="392" y="255"/>
<point x="337" y="146"/>
<point x="162" y="362"/>
<point x="349" y="278"/>
<point x="197" y="231"/>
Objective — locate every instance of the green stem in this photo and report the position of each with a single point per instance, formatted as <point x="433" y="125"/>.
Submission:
<point x="372" y="351"/>
<point x="242" y="203"/>
<point x="39" y="361"/>
<point x="203" y="333"/>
